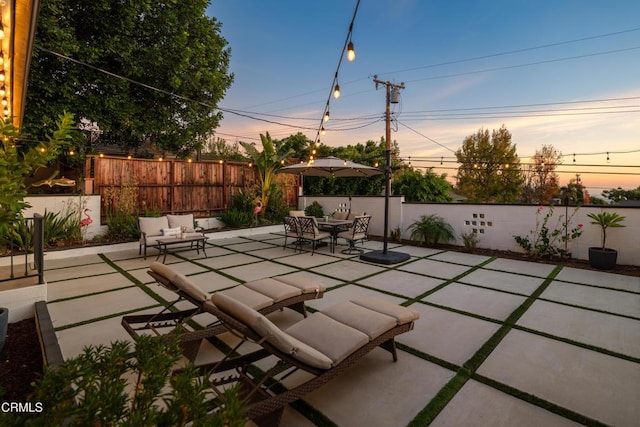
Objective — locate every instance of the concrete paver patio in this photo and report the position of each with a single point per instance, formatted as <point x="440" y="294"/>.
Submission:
<point x="499" y="342"/>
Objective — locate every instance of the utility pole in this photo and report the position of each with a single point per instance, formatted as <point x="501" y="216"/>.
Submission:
<point x="385" y="256"/>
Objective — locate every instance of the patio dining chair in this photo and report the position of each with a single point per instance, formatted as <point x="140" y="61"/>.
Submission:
<point x="356" y="233"/>
<point x="309" y="232"/>
<point x="291" y="230"/>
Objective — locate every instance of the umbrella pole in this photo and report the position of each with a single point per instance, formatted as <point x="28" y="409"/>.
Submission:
<point x="387" y="191"/>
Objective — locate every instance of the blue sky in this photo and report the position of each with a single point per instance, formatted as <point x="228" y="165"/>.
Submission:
<point x="577" y="58"/>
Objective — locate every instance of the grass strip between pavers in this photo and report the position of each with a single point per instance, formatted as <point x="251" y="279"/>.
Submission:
<point x="468" y="369"/>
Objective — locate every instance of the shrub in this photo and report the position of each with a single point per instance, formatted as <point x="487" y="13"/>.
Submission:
<point x="470" y="240"/>
<point x="121" y="210"/>
<point x="314" y="209"/>
<point x="547" y="241"/>
<point x="430" y="230"/>
<point x="114" y="386"/>
<point x="235" y="218"/>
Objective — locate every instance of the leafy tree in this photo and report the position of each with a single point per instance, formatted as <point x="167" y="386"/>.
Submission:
<point x="172" y="46"/>
<point x="490" y="168"/>
<point x="218" y="148"/>
<point x="573" y="193"/>
<point x="540" y="177"/>
<point x="416" y="187"/>
<point x="618" y="194"/>
<point x="267" y="161"/>
<point x="18" y="160"/>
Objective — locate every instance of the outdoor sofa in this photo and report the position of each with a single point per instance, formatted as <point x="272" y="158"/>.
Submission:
<point x="154" y="228"/>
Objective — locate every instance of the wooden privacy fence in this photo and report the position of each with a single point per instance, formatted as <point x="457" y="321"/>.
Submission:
<point x="204" y="188"/>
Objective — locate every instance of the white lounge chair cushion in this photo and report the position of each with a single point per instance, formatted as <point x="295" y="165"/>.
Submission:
<point x="181" y="220"/>
<point x="188" y="287"/>
<point x="274" y="289"/>
<point x="305" y="284"/>
<point x="152" y="226"/>
<point x="163" y="270"/>
<point x="330" y="337"/>
<point x="401" y="314"/>
<point x="276" y="337"/>
<point x="363" y="319"/>
<point x="247" y="296"/>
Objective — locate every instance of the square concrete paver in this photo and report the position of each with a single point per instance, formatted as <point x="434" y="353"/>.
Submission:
<point x="401" y="283"/>
<point x="439" y="269"/>
<point x="271" y="253"/>
<point x="485" y="302"/>
<point x="71" y="261"/>
<point x="601" y="299"/>
<point x="600" y="278"/>
<point x="477" y="404"/>
<point x="96" y="306"/>
<point x="103" y="332"/>
<point x="521" y="267"/>
<point x="417" y="251"/>
<point x="615" y="333"/>
<point x="77" y="272"/>
<point x="211" y="281"/>
<point x="447" y="335"/>
<point x="259" y="270"/>
<point x="350" y="270"/>
<point x="516" y="283"/>
<point x="229" y="261"/>
<point x="378" y="392"/>
<point x="85" y="286"/>
<point x="307" y="261"/>
<point x="460" y="258"/>
<point x="599" y="386"/>
<point x="328" y="282"/>
<point x="248" y="246"/>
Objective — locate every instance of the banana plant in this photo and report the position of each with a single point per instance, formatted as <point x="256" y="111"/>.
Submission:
<point x="267" y="161"/>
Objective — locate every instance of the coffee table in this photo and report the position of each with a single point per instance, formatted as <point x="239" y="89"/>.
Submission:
<point x="164" y="244"/>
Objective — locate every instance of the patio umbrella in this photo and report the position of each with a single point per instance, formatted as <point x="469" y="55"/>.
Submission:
<point x="330" y="167"/>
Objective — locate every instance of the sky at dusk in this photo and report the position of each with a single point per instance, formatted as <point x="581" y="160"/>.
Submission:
<point x="561" y="73"/>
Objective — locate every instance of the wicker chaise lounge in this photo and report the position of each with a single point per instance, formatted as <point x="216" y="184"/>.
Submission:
<point x="325" y="344"/>
<point x="265" y="295"/>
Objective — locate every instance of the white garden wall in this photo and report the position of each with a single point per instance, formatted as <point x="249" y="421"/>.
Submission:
<point x="66" y="203"/>
<point x="497" y="224"/>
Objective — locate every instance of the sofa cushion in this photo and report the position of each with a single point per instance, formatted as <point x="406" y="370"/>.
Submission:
<point x="171" y="231"/>
<point x="152" y="226"/>
<point x="181" y="220"/>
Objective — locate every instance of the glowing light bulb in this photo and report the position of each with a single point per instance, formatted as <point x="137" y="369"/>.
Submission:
<point x="351" y="53"/>
<point x="326" y="115"/>
<point x="336" y="91"/>
<point x="322" y="131"/>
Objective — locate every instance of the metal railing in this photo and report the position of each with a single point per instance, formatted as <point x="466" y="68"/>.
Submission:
<point x="30" y="242"/>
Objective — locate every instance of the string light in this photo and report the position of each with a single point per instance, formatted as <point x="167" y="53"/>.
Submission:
<point x="129" y="157"/>
<point x="322" y="131"/>
<point x="326" y="116"/>
<point x="351" y="53"/>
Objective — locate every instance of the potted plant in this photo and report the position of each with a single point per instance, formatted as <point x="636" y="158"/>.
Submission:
<point x="602" y="257"/>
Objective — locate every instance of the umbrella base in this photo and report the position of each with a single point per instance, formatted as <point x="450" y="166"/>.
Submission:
<point x="380" y="257"/>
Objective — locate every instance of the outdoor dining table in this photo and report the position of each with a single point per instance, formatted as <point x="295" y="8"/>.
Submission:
<point x="334" y="226"/>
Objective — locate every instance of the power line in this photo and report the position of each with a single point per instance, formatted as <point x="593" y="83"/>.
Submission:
<point x="512" y="51"/>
